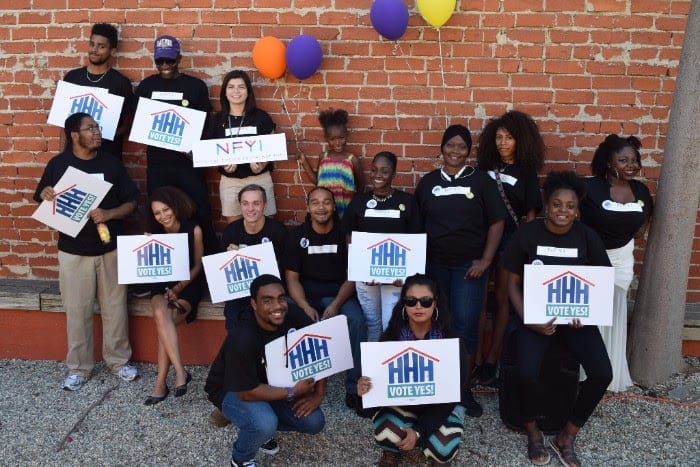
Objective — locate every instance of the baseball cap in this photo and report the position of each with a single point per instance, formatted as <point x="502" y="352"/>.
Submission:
<point x="166" y="47"/>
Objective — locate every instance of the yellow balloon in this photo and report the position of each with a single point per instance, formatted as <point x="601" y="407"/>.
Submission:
<point x="436" y="12"/>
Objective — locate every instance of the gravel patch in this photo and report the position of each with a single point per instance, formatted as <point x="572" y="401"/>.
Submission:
<point x="106" y="423"/>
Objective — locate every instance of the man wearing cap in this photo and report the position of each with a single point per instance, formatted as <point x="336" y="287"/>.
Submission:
<point x="165" y="166"/>
<point x="87" y="264"/>
<point x="99" y="74"/>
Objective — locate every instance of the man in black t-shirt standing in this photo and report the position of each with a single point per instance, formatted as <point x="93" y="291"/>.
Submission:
<point x="99" y="74"/>
<point x="237" y="383"/>
<point x="87" y="265"/>
<point x="165" y="166"/>
<point x="316" y="266"/>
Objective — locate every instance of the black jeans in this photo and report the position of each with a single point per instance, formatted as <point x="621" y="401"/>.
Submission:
<point x="588" y="348"/>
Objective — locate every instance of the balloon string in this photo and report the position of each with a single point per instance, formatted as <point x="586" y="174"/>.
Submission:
<point x="397" y="46"/>
<point x="296" y="139"/>
<point x="442" y="74"/>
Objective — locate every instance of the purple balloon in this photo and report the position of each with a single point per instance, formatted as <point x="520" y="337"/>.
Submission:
<point x="389" y="18"/>
<point x="304" y="56"/>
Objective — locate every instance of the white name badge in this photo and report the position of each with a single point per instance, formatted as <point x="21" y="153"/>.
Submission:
<point x="452" y="190"/>
<point x="567" y="293"/>
<point x="510" y="180"/>
<point x="166" y="96"/>
<point x="610" y="205"/>
<point x="244" y="130"/>
<point x="557" y="252"/>
<point x="383" y="213"/>
<point x="322" y="249"/>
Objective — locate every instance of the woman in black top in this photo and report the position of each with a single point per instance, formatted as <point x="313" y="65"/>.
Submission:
<point x="173" y="303"/>
<point x="239" y="116"/>
<point x="619" y="208"/>
<point x="511" y="151"/>
<point x="558" y="239"/>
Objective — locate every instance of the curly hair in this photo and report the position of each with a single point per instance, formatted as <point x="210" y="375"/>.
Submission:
<point x="182" y="206"/>
<point x="333" y="117"/>
<point x="529" y="147"/>
<point x="613" y="144"/>
<point x="108" y="31"/>
<point x="563" y="180"/>
<point x="396" y="322"/>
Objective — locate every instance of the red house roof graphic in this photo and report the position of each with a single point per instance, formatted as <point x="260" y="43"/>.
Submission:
<point x="569" y="273"/>
<point x="326" y="338"/>
<point x="238" y="256"/>
<point x="153" y="240"/>
<point x="53" y="204"/>
<point x="91" y="95"/>
<point x="173" y="111"/>
<point x="410" y="349"/>
<point x="389" y="240"/>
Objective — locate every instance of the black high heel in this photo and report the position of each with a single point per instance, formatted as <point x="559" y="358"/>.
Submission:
<point x="182" y="389"/>
<point x="153" y="400"/>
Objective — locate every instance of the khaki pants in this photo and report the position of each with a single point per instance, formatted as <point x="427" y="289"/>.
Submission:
<point x="81" y="279"/>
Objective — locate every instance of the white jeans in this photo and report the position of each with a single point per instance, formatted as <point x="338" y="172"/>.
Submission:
<point x="377" y="302"/>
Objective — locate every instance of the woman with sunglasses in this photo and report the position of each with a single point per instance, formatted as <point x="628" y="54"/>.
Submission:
<point x="558" y="239"/>
<point x="240" y="116"/>
<point x="619" y="208"/>
<point x="463" y="216"/>
<point x="173" y="303"/>
<point x="436" y="429"/>
<point x="384" y="210"/>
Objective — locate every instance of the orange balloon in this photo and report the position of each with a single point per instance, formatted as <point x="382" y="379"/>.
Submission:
<point x="269" y="57"/>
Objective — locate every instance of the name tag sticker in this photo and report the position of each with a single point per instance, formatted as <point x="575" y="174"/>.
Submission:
<point x="557" y="252"/>
<point x="166" y="96"/>
<point x="383" y="213"/>
<point x="322" y="249"/>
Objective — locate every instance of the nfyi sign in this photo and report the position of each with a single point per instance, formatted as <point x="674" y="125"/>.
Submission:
<point x="567" y="296"/>
<point x="154" y="259"/>
<point x="240" y="272"/>
<point x="309" y="356"/>
<point x="388" y="259"/>
<point x="167" y="126"/>
<point x="411" y="374"/>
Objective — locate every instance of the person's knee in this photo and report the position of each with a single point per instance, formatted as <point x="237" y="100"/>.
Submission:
<point x="161" y="313"/>
<point x="315" y="422"/>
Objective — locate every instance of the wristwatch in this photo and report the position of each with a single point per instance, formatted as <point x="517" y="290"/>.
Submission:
<point x="290" y="393"/>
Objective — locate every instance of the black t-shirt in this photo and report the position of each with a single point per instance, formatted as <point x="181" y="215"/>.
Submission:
<point x="272" y="231"/>
<point x="240" y="364"/>
<point x="115" y="83"/>
<point x="533" y="243"/>
<point x="194" y="95"/>
<point x="258" y="122"/>
<point x="87" y="242"/>
<point x="398" y="214"/>
<point x="616" y="223"/>
<point x="522" y="190"/>
<point x="457" y="213"/>
<point x="318" y="257"/>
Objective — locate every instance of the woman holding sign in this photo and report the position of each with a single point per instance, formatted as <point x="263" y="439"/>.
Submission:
<point x="382" y="210"/>
<point x="239" y="116"/>
<point x="558" y="239"/>
<point x="435" y="428"/>
<point x="173" y="303"/>
<point x="618" y="207"/>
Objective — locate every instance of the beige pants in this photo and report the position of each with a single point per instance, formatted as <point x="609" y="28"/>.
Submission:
<point x="81" y="279"/>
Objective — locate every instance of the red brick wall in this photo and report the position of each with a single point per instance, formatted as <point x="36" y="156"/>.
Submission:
<point x="581" y="68"/>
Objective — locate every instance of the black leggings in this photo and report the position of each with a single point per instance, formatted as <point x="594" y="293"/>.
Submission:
<point x="588" y="348"/>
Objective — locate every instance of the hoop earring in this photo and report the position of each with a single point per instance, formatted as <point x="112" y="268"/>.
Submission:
<point x="617" y="174"/>
<point x="403" y="314"/>
<point x="436" y="314"/>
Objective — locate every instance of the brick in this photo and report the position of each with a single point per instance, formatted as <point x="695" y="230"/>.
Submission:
<point x="606" y="5"/>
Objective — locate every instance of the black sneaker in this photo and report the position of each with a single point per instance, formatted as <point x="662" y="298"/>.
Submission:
<point x="471" y="406"/>
<point x="487" y="374"/>
<point x="270" y="447"/>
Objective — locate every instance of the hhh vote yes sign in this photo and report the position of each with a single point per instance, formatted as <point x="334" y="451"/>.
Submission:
<point x="147" y="259"/>
<point x="166" y="126"/>
<point x="383" y="258"/>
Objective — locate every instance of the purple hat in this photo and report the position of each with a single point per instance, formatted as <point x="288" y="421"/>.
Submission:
<point x="166" y="47"/>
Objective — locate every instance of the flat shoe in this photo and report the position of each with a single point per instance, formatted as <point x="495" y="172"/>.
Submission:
<point x="153" y="400"/>
<point x="182" y="389"/>
<point x="537" y="452"/>
<point x="566" y="454"/>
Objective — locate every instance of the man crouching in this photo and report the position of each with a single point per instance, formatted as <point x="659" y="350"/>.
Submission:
<point x="237" y="381"/>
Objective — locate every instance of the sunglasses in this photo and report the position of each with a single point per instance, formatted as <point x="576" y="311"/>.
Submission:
<point x="425" y="302"/>
<point x="165" y="61"/>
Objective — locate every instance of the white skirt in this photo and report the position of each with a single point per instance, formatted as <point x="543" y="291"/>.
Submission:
<point x="615" y="336"/>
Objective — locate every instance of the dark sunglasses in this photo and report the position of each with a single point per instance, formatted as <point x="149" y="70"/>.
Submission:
<point x="165" y="61"/>
<point x="425" y="302"/>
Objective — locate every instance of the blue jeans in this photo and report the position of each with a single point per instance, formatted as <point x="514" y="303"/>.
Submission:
<point x="320" y="295"/>
<point x="464" y="297"/>
<point x="377" y="302"/>
<point x="258" y="421"/>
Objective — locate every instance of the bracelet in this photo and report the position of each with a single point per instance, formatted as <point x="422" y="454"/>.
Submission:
<point x="290" y="393"/>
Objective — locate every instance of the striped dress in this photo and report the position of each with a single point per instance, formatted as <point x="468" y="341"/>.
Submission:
<point x="337" y="176"/>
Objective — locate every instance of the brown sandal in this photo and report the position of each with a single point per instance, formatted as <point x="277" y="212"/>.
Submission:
<point x="536" y="450"/>
<point x="566" y="454"/>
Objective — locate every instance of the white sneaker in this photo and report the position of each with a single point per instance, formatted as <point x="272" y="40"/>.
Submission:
<point x="74" y="382"/>
<point x="128" y="373"/>
<point x="250" y="463"/>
